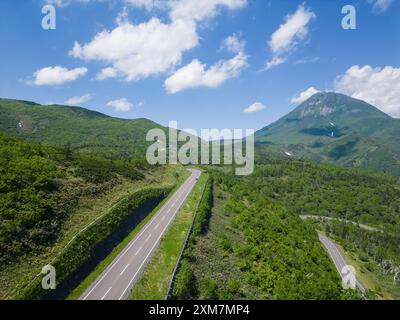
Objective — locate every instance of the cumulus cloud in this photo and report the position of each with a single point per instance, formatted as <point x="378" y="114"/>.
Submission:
<point x="290" y="34"/>
<point x="255" y="107"/>
<point x="381" y="6"/>
<point x="54" y="76"/>
<point x="122" y="105"/>
<point x="377" y="86"/>
<point x="78" y="100"/>
<point x="139" y="51"/>
<point x="303" y="96"/>
<point x="196" y="74"/>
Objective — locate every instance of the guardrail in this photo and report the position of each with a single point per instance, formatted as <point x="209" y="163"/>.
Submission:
<point x="173" y="276"/>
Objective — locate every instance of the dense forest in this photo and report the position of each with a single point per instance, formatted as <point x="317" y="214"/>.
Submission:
<point x="257" y="246"/>
<point x="311" y="188"/>
<point x="352" y="195"/>
<point x="252" y="248"/>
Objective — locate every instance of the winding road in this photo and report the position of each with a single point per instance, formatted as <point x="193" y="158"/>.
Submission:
<point x="338" y="259"/>
<point x="116" y="282"/>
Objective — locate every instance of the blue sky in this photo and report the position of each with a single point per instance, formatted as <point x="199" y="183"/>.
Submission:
<point x="202" y="66"/>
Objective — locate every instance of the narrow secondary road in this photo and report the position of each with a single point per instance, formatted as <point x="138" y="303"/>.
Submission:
<point x="116" y="282"/>
<point x="362" y="226"/>
<point x="337" y="258"/>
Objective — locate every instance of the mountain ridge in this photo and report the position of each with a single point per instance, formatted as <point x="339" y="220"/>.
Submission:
<point x="82" y="129"/>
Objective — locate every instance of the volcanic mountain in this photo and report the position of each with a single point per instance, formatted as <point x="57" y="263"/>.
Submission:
<point x="331" y="127"/>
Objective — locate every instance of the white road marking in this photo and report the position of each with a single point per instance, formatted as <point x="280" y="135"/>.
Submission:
<point x="151" y="250"/>
<point x="137" y="252"/>
<point x="124" y="269"/>
<point x="106" y="293"/>
<point x="156" y="227"/>
<point x="182" y="191"/>
<point x="122" y="254"/>
<point x="148" y="237"/>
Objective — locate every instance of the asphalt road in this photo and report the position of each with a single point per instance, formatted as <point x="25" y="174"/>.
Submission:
<point x="116" y="282"/>
<point x="362" y="226"/>
<point x="337" y="258"/>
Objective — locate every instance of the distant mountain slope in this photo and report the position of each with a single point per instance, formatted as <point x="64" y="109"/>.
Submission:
<point x="332" y="127"/>
<point x="86" y="131"/>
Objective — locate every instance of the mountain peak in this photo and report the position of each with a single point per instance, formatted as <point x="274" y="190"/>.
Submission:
<point x="326" y="104"/>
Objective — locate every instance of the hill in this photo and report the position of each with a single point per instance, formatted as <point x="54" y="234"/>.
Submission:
<point x="331" y="127"/>
<point x="85" y="131"/>
<point x="48" y="196"/>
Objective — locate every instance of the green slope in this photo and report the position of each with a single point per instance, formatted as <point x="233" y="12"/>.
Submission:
<point x="332" y="127"/>
<point x="87" y="131"/>
<point x="49" y="196"/>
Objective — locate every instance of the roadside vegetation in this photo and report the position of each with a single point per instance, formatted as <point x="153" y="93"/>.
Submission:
<point x="184" y="286"/>
<point x="154" y="283"/>
<point x="49" y="195"/>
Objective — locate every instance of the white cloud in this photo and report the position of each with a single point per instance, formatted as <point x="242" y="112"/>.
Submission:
<point x="195" y="74"/>
<point x="122" y="105"/>
<point x="195" y="10"/>
<point x="146" y="4"/>
<point x="295" y="29"/>
<point x="53" y="76"/>
<point x="140" y="51"/>
<point x="377" y="86"/>
<point x="78" y="100"/>
<point x="234" y="44"/>
<point x="290" y="34"/>
<point x="303" y="96"/>
<point x="255" y="107"/>
<point x="307" y="60"/>
<point x="106" y="73"/>
<point x="381" y="6"/>
<point x="136" y="52"/>
<point x="59" y="3"/>
<point x="275" y="61"/>
<point x="64" y="3"/>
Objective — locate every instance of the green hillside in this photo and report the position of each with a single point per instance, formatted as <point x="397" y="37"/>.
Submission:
<point x="48" y="196"/>
<point x="86" y="131"/>
<point x="331" y="127"/>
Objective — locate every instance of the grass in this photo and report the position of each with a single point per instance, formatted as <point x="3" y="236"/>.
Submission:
<point x="89" y="209"/>
<point x="153" y="285"/>
<point x="85" y="284"/>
